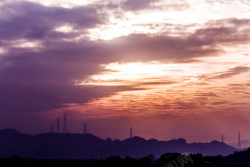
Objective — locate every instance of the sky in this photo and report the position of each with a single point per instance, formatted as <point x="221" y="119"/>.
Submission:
<point x="168" y="69"/>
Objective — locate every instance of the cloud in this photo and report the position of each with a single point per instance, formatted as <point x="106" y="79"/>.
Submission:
<point x="41" y="81"/>
<point x="43" y="78"/>
<point x="229" y="73"/>
<point x="219" y="103"/>
<point x="208" y="41"/>
<point x="132" y="5"/>
<point x="232" y="72"/>
<point x="210" y="94"/>
<point x="34" y="21"/>
<point x="224" y="31"/>
<point x="158" y="83"/>
<point x="136" y="47"/>
<point x="137" y="5"/>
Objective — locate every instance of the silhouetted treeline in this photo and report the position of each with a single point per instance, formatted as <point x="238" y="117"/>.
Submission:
<point x="166" y="160"/>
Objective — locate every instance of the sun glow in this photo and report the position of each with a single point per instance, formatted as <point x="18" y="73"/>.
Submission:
<point x="136" y="68"/>
<point x="143" y="74"/>
<point x="124" y="74"/>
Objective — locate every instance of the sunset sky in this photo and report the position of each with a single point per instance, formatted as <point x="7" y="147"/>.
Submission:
<point x="167" y="68"/>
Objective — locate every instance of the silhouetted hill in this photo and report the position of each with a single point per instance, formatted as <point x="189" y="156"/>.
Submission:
<point x="87" y="146"/>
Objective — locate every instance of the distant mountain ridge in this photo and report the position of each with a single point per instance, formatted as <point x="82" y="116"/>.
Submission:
<point x="87" y="146"/>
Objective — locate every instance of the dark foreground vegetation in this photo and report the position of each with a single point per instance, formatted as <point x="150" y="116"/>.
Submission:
<point x="240" y="159"/>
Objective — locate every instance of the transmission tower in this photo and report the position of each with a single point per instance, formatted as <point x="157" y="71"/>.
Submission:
<point x="64" y="123"/>
<point x="58" y="126"/>
<point x="84" y="128"/>
<point x="239" y="144"/>
<point x="131" y="133"/>
<point x="222" y="138"/>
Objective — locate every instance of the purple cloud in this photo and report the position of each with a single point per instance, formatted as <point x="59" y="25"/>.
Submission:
<point x="43" y="79"/>
<point x="33" y="21"/>
<point x="137" y="5"/>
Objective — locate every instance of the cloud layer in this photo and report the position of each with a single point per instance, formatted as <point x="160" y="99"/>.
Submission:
<point x="43" y="78"/>
<point x="46" y="50"/>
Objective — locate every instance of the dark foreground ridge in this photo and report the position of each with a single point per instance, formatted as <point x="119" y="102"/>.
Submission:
<point x="240" y="159"/>
<point x="88" y="146"/>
